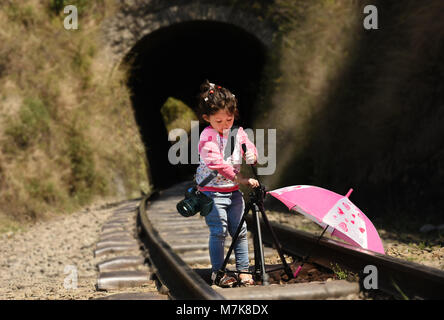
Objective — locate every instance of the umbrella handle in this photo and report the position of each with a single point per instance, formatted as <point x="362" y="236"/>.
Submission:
<point x="295" y="274"/>
<point x="307" y="256"/>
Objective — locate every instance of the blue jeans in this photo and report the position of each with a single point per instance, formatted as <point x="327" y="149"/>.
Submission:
<point x="225" y="217"/>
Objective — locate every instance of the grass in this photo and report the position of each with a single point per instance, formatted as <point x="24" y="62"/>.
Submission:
<point x="68" y="134"/>
<point x="83" y="172"/>
<point x="32" y="125"/>
<point x="340" y="273"/>
<point x="177" y="114"/>
<point x="57" y="6"/>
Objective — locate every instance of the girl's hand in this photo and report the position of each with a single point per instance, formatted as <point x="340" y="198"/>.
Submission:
<point x="253" y="183"/>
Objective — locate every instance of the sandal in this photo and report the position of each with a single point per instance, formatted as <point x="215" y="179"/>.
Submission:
<point x="226" y="281"/>
<point x="246" y="281"/>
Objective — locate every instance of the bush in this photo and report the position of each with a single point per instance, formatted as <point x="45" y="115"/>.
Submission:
<point x="67" y="127"/>
<point x="177" y="114"/>
<point x="31" y="125"/>
<point x="42" y="190"/>
<point x="56" y="6"/>
<point x="82" y="165"/>
<point x="22" y="14"/>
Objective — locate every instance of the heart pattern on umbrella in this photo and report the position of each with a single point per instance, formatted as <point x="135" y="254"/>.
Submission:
<point x="346" y="217"/>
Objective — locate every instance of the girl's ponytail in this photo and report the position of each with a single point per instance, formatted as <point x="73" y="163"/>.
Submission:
<point x="213" y="98"/>
<point x="206" y="86"/>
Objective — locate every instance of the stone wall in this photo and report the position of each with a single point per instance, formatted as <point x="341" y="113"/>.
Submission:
<point x="138" y="18"/>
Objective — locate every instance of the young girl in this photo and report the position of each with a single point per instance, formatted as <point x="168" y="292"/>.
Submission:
<point x="218" y="107"/>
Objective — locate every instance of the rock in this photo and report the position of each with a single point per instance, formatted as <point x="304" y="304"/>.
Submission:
<point x="427" y="228"/>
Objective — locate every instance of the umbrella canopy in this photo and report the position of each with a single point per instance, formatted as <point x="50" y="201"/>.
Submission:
<point x="344" y="220"/>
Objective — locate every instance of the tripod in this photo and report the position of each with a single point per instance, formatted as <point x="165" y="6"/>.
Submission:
<point x="255" y="204"/>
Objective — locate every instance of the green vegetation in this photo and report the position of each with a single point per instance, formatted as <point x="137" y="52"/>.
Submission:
<point x="33" y="124"/>
<point x="339" y="272"/>
<point x="67" y="129"/>
<point x="343" y="274"/>
<point x="84" y="180"/>
<point x="57" y="6"/>
<point x="177" y="114"/>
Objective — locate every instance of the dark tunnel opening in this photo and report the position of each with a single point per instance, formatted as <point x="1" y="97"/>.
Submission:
<point x="173" y="62"/>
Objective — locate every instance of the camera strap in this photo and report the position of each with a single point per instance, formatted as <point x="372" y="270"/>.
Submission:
<point x="228" y="151"/>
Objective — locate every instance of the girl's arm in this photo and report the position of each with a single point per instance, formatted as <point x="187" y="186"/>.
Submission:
<point x="213" y="158"/>
<point x="243" y="138"/>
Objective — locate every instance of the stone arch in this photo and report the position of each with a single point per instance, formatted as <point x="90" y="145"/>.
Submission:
<point x="133" y="22"/>
<point x="146" y="40"/>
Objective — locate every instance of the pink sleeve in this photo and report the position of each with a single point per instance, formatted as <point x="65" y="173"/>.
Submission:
<point x="243" y="138"/>
<point x="211" y="155"/>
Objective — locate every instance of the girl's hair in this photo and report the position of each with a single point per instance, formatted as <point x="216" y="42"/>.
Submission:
<point x="213" y="98"/>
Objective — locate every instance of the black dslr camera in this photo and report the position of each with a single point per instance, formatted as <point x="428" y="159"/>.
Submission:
<point x="194" y="202"/>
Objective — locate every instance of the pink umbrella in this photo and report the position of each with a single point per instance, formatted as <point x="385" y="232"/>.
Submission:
<point x="334" y="212"/>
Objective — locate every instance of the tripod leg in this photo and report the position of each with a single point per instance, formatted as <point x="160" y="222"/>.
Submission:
<point x="221" y="271"/>
<point x="259" y="249"/>
<point x="277" y="244"/>
<point x="256" y="247"/>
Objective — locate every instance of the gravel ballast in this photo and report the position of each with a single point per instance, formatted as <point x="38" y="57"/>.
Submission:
<point x="402" y="246"/>
<point x="54" y="259"/>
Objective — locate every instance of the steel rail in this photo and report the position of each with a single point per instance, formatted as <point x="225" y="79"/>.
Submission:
<point x="400" y="278"/>
<point x="182" y="281"/>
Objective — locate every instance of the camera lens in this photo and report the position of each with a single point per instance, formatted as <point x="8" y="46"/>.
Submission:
<point x="188" y="207"/>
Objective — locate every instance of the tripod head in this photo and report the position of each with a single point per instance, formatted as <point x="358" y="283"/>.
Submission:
<point x="258" y="194"/>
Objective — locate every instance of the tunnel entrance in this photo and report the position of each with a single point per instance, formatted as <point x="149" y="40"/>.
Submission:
<point x="173" y="62"/>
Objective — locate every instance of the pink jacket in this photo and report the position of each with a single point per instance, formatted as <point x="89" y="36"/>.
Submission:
<point x="211" y="150"/>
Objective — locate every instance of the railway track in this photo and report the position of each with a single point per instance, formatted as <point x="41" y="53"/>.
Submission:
<point x="173" y="252"/>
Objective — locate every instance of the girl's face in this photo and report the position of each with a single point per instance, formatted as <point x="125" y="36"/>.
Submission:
<point x="220" y="121"/>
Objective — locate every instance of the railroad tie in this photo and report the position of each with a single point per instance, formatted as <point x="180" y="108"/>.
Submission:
<point x="135" y="296"/>
<point x="297" y="291"/>
<point x="124" y="263"/>
<point x="121" y="262"/>
<point x="122" y="279"/>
